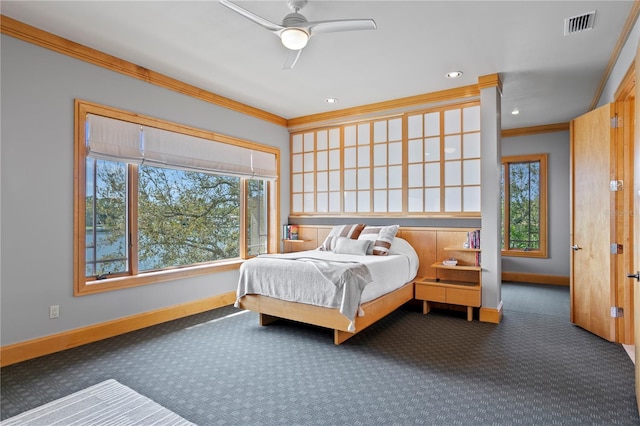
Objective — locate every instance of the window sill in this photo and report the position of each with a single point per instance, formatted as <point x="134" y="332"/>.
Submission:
<point x="521" y="253"/>
<point x="109" y="284"/>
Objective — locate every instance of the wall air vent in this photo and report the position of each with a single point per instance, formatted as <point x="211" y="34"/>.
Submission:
<point x="579" y="23"/>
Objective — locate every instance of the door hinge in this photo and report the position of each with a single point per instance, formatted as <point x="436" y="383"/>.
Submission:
<point x="616" y="248"/>
<point x="615" y="185"/>
<point x="617" y="312"/>
<point x="616" y="122"/>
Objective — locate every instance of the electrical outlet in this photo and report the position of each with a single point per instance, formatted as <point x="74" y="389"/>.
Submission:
<point x="54" y="311"/>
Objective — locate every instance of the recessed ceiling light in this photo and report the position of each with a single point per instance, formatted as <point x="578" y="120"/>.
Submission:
<point x="454" y="74"/>
<point x="515" y="111"/>
<point x="331" y="100"/>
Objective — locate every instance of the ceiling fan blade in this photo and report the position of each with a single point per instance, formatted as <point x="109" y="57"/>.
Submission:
<point x="292" y="59"/>
<point x="322" y="27"/>
<point x="252" y="16"/>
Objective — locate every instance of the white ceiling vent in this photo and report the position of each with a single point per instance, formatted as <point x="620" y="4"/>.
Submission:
<point x="579" y="23"/>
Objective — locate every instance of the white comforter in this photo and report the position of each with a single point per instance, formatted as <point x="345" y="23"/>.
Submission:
<point x="294" y="280"/>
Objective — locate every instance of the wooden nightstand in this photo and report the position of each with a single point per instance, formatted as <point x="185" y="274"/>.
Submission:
<point x="464" y="289"/>
<point x="450" y="292"/>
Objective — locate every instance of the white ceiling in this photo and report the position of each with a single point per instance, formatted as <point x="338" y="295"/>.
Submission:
<point x="550" y="77"/>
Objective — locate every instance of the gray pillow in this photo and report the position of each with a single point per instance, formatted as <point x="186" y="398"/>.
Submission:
<point x="349" y="246"/>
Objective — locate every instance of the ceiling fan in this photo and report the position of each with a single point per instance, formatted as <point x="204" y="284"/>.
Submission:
<point x="296" y="31"/>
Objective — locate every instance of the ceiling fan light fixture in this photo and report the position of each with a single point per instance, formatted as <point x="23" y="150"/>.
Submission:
<point x="294" y="38"/>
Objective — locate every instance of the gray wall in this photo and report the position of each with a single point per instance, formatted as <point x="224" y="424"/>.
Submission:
<point x="38" y="89"/>
<point x="556" y="145"/>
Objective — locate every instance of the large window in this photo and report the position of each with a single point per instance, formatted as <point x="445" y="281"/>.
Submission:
<point x="419" y="163"/>
<point x="155" y="200"/>
<point x="524" y="205"/>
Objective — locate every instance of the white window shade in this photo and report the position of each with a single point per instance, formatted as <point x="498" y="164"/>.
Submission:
<point x="264" y="164"/>
<point x="176" y="150"/>
<point x="113" y="140"/>
<point x="123" y="141"/>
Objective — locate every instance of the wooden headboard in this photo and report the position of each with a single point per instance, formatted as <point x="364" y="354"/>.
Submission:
<point x="429" y="243"/>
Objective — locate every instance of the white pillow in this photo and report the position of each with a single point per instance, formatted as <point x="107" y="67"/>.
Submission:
<point x="349" y="246"/>
<point x="382" y="237"/>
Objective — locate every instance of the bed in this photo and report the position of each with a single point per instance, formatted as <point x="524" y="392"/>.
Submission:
<point x="341" y="289"/>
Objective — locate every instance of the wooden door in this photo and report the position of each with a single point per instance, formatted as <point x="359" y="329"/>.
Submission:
<point x="592" y="281"/>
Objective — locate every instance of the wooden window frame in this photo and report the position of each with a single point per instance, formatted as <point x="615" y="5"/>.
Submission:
<point x="88" y="285"/>
<point x="542" y="251"/>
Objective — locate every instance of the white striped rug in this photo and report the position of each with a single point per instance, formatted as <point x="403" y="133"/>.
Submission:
<point x="107" y="403"/>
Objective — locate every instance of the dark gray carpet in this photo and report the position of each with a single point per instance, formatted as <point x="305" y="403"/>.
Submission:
<point x="218" y="368"/>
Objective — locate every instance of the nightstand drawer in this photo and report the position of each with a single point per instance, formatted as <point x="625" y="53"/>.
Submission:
<point x="463" y="297"/>
<point x="431" y="293"/>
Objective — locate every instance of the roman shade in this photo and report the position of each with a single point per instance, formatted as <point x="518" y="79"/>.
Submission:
<point x="118" y="140"/>
<point x="113" y="140"/>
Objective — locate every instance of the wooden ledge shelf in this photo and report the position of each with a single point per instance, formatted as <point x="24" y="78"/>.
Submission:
<point x="440" y="265"/>
<point x="450" y="283"/>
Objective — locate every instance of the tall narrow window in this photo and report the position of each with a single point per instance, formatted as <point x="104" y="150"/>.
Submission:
<point x="106" y="221"/>
<point x="387" y="166"/>
<point x="316" y="178"/>
<point x="524" y="205"/>
<point x="257" y="216"/>
<point x="156" y="200"/>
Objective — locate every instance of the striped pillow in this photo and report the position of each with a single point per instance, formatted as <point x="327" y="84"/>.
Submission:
<point x="382" y="237"/>
<point x="347" y="231"/>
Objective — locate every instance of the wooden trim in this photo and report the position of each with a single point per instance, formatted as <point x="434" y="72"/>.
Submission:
<point x="626" y="89"/>
<point x="491" y="80"/>
<point x="615" y="53"/>
<point x="535" y="130"/>
<point x="542" y="159"/>
<point x="273" y="212"/>
<point x="624" y="209"/>
<point x="492" y="315"/>
<point x="296" y="124"/>
<point x="527" y="277"/>
<point x="66" y="47"/>
<point x="22" y="351"/>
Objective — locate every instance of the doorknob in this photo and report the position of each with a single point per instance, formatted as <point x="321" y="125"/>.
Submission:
<point x="576" y="247"/>
<point x="636" y="276"/>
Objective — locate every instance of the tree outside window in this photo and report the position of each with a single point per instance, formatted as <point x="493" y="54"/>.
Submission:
<point x="524" y="205"/>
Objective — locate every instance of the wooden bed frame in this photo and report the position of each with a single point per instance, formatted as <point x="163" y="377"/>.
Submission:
<point x="271" y="310"/>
